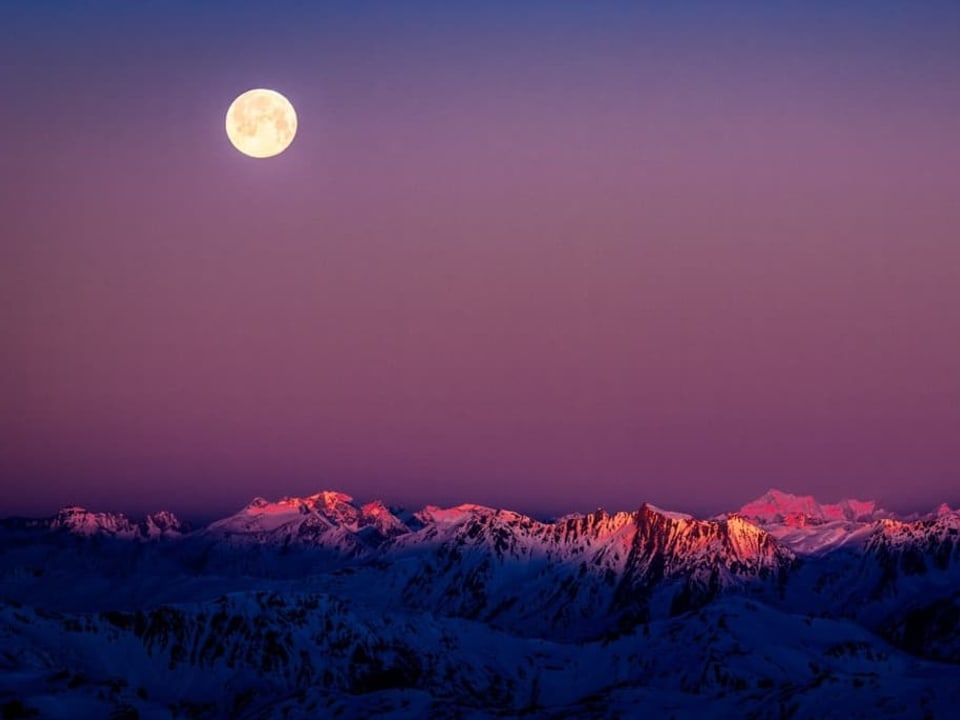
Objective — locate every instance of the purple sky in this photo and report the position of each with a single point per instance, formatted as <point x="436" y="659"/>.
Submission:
<point x="549" y="258"/>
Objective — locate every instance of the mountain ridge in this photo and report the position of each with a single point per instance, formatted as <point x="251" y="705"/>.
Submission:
<point x="323" y="605"/>
<point x="775" y="507"/>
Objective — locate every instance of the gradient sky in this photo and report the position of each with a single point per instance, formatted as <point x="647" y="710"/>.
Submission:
<point x="543" y="255"/>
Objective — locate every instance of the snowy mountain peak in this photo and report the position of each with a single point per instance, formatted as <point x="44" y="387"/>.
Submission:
<point x="746" y="538"/>
<point x="163" y="524"/>
<point x="432" y="514"/>
<point x="375" y="509"/>
<point x="943" y="509"/>
<point x="328" y="499"/>
<point x="333" y="504"/>
<point x="325" y="520"/>
<point x="78" y="520"/>
<point x="778" y="507"/>
<point x="378" y="516"/>
<point x="339" y="508"/>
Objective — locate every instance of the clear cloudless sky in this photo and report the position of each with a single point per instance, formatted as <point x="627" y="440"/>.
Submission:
<point x="540" y="255"/>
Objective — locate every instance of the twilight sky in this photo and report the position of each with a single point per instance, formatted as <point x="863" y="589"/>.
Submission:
<point x="543" y="255"/>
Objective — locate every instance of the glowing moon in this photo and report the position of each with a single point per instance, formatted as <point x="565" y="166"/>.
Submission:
<point x="261" y="123"/>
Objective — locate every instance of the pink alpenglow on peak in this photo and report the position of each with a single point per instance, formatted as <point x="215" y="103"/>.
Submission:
<point x="328" y="519"/>
<point x="378" y="516"/>
<point x="812" y="528"/>
<point x="777" y="507"/>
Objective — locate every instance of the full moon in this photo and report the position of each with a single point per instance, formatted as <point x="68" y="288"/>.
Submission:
<point x="261" y="123"/>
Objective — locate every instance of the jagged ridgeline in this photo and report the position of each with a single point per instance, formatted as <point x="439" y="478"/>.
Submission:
<point x="321" y="605"/>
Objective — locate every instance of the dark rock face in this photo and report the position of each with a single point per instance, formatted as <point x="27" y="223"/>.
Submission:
<point x="931" y="630"/>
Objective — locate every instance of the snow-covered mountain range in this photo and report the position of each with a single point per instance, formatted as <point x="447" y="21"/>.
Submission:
<point x="79" y="521"/>
<point x="321" y="604"/>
